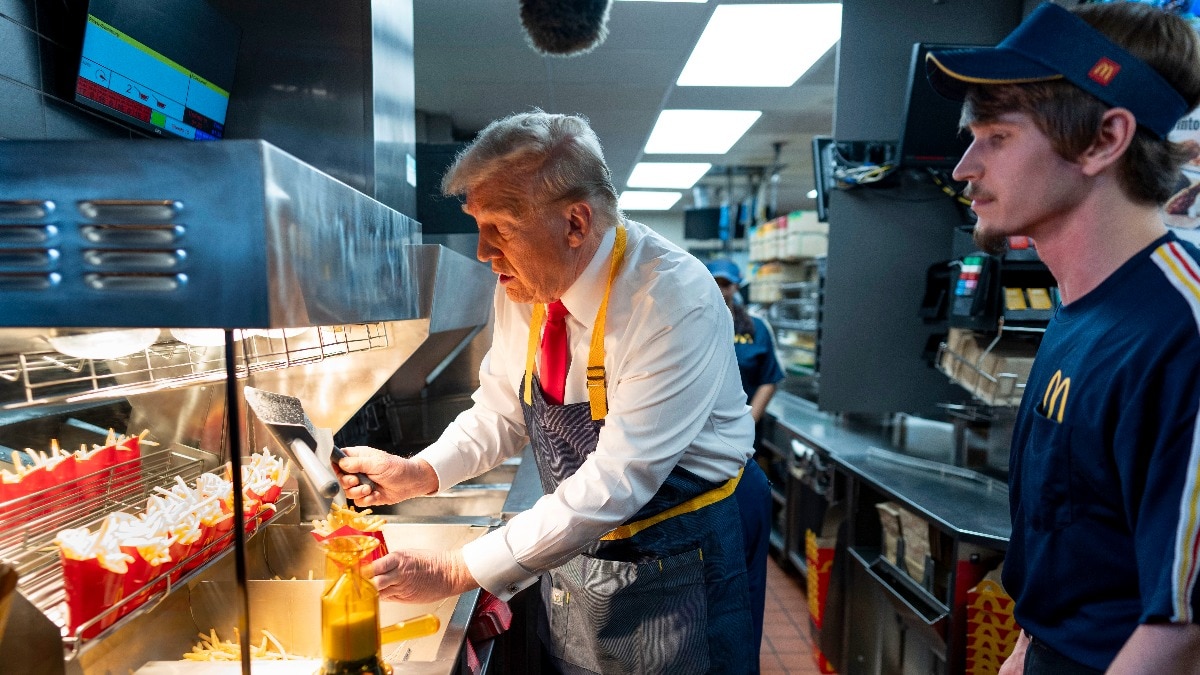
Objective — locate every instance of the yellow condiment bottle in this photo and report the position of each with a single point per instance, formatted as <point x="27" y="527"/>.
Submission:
<point x="350" y="610"/>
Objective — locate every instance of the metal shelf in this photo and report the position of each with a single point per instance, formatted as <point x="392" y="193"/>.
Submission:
<point x="38" y="378"/>
<point x="906" y="595"/>
<point x="797" y="348"/>
<point x="995" y="389"/>
<point x="806" y="326"/>
<point x="28" y="544"/>
<point x="177" y="576"/>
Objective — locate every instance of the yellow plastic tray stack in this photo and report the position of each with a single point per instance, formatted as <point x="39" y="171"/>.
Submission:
<point x="991" y="630"/>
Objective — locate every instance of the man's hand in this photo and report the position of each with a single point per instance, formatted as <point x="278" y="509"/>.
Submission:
<point x="395" y="478"/>
<point x="1015" y="663"/>
<point x="421" y="576"/>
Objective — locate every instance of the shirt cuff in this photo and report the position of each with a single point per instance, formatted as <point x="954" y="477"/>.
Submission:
<point x="446" y="460"/>
<point x="493" y="566"/>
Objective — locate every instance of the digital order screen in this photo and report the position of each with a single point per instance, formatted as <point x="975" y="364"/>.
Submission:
<point x="165" y="91"/>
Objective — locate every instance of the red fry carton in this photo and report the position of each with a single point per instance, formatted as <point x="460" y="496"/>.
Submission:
<point x="347" y="531"/>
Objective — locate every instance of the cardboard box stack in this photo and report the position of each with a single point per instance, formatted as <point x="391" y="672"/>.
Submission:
<point x="889" y="518"/>
<point x="900" y="524"/>
<point x="917" y="546"/>
<point x="995" y="376"/>
<point x="804" y="236"/>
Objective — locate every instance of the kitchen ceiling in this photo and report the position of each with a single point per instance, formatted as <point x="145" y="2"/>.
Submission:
<point x="474" y="64"/>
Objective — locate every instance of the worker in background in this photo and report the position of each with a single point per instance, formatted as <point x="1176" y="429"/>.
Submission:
<point x="1070" y="115"/>
<point x="759" y="368"/>
<point x="752" y="341"/>
<point x="609" y="356"/>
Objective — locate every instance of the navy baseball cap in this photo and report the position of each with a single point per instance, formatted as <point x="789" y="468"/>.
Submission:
<point x="725" y="269"/>
<point x="1052" y="44"/>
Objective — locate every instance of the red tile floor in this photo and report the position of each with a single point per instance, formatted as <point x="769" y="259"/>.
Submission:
<point x="787" y="642"/>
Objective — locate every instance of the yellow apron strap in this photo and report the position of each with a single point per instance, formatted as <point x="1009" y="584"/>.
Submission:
<point x="694" y="504"/>
<point x="596" y="382"/>
<point x="597" y="385"/>
<point x="535" y="331"/>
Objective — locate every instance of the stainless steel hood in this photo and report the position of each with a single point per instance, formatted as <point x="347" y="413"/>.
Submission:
<point x="230" y="234"/>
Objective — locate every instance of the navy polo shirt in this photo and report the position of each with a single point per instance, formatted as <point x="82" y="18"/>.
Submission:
<point x="756" y="357"/>
<point x="1105" y="468"/>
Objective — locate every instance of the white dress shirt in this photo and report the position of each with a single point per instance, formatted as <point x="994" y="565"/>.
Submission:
<point x="674" y="397"/>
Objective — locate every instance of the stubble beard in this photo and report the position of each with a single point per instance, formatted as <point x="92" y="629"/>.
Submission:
<point x="986" y="239"/>
<point x="989" y="241"/>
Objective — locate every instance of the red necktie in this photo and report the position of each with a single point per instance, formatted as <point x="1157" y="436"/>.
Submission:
<point x="554" y="356"/>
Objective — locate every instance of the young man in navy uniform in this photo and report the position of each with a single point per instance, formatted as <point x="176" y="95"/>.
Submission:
<point x="1070" y="115"/>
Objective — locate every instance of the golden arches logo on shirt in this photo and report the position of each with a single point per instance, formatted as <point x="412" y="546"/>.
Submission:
<point x="1054" y="401"/>
<point x="743" y="338"/>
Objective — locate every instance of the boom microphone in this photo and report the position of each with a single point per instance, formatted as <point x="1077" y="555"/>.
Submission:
<point x="565" y="27"/>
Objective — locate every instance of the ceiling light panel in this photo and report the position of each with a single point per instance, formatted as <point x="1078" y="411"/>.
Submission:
<point x="699" y="132"/>
<point x="647" y="200"/>
<point x="662" y="0"/>
<point x="761" y="45"/>
<point x="681" y="175"/>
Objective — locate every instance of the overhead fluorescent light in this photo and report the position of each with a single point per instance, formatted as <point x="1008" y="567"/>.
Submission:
<point x="761" y="45"/>
<point x="647" y="200"/>
<point x="699" y="132"/>
<point x="682" y="175"/>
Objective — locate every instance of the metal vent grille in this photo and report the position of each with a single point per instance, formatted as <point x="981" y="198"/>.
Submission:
<point x="25" y="209"/>
<point x="130" y="210"/>
<point x="29" y="251"/>
<point x="123" y="245"/>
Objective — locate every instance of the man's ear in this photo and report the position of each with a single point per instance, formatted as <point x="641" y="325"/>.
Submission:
<point x="579" y="223"/>
<point x="1116" y="132"/>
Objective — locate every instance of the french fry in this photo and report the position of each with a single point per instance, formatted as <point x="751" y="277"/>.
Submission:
<point x="341" y="516"/>
<point x="343" y="521"/>
<point x="212" y="648"/>
<point x="171" y="533"/>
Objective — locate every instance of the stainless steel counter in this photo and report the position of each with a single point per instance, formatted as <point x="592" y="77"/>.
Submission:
<point x="284" y="598"/>
<point x="526" y="487"/>
<point x="966" y="504"/>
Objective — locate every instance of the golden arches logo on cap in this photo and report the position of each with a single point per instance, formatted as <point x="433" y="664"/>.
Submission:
<point x="1104" y="71"/>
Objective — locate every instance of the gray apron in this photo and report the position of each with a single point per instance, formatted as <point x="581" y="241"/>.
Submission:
<point x="667" y="592"/>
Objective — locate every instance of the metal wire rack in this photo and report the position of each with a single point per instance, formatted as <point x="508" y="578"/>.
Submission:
<point x="27" y="534"/>
<point x="37" y="378"/>
<point x="125" y="609"/>
<point x="999" y="389"/>
<point x="798" y="309"/>
<point x="28" y="525"/>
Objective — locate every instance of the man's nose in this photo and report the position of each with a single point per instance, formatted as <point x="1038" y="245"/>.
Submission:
<point x="485" y="251"/>
<point x="967" y="168"/>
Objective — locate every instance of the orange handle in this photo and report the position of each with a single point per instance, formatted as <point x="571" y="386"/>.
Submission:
<point x="416" y="627"/>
